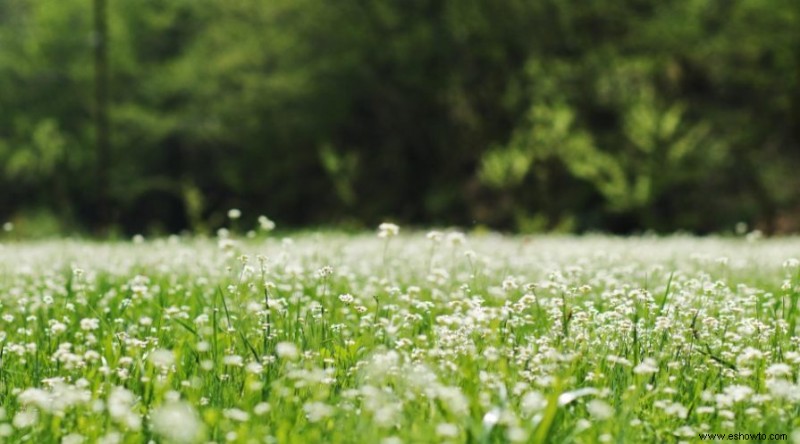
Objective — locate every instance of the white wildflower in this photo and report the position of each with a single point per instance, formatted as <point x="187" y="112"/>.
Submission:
<point x="533" y="402"/>
<point x="25" y="418"/>
<point x="491" y="418"/>
<point x="286" y="350"/>
<point x="387" y="229"/>
<point x="262" y="408"/>
<point x="266" y="223"/>
<point x="568" y="397"/>
<point x="162" y="358"/>
<point x="599" y="409"/>
<point x="120" y="403"/>
<point x="72" y="438"/>
<point x="236" y="415"/>
<point x="89" y="324"/>
<point x="435" y="236"/>
<point x="647" y="367"/>
<point x="233" y="360"/>
<point x="177" y="422"/>
<point x="456" y="238"/>
<point x="510" y="284"/>
<point x="778" y="370"/>
<point x="316" y="411"/>
<point x="447" y="430"/>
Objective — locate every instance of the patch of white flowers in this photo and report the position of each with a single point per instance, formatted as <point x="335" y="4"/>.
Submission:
<point x="387" y="229"/>
<point x="398" y="338"/>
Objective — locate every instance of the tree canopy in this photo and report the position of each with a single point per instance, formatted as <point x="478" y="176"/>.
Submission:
<point x="617" y="115"/>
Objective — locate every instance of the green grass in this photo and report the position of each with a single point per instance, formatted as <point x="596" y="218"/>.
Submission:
<point x="360" y="339"/>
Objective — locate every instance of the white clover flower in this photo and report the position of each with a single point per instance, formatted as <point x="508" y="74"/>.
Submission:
<point x="120" y="404"/>
<point x="599" y="409"/>
<point x="676" y="409"/>
<point x="254" y="368"/>
<point x="791" y="263"/>
<point x="346" y="298"/>
<point x="262" y="408"/>
<point x="266" y="223"/>
<point x="56" y="399"/>
<point x="162" y="358"/>
<point x="491" y="418"/>
<point x="57" y="328"/>
<point x="25" y="418"/>
<point x="749" y="354"/>
<point x="778" y="370"/>
<point x="453" y="398"/>
<point x="516" y="434"/>
<point x="783" y="389"/>
<point x="35" y="396"/>
<point x="685" y="432"/>
<point x="387" y="229"/>
<point x="741" y="228"/>
<point x="226" y="243"/>
<point x="316" y="411"/>
<point x="236" y="415"/>
<point x="233" y="360"/>
<point x="533" y="402"/>
<point x="234" y="213"/>
<point x="177" y="422"/>
<point x="456" y="238"/>
<point x="754" y="236"/>
<point x="110" y="438"/>
<point x="435" y="236"/>
<point x="8" y="227"/>
<point x="510" y="284"/>
<point x="447" y="430"/>
<point x="567" y="397"/>
<point x="88" y="324"/>
<point x="647" y="367"/>
<point x="738" y="393"/>
<point x="325" y="272"/>
<point x="286" y="350"/>
<point x="72" y="438"/>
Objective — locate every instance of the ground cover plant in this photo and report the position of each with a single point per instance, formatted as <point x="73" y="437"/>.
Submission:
<point x="398" y="338"/>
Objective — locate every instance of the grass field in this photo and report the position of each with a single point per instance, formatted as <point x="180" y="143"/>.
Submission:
<point x="402" y="338"/>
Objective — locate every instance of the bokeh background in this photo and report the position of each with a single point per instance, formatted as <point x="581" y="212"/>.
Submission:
<point x="152" y="116"/>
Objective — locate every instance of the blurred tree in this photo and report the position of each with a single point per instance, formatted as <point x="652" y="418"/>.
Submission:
<point x="614" y="114"/>
<point x="102" y="142"/>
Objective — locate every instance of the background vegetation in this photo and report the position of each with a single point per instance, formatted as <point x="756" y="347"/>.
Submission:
<point x="618" y="115"/>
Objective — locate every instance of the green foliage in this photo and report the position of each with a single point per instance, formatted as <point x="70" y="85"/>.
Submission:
<point x="617" y="115"/>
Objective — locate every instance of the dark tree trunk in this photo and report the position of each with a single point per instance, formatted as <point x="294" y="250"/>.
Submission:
<point x="102" y="136"/>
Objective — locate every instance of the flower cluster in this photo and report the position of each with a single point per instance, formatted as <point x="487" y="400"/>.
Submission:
<point x="443" y="337"/>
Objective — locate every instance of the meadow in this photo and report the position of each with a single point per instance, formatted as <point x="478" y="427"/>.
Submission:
<point x="396" y="337"/>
